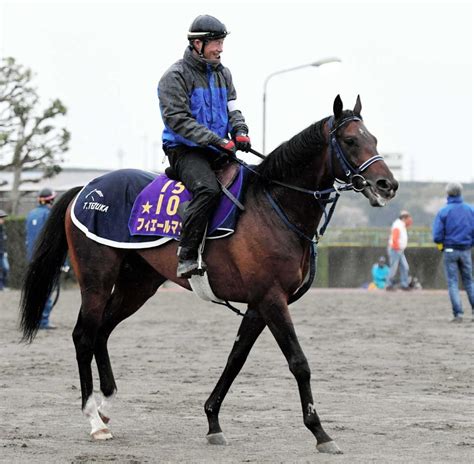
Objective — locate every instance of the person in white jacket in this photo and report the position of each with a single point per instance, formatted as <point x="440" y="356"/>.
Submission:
<point x="397" y="243"/>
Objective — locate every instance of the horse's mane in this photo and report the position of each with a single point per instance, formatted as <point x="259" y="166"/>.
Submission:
<point x="291" y="156"/>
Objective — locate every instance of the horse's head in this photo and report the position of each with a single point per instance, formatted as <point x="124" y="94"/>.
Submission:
<point x="354" y="156"/>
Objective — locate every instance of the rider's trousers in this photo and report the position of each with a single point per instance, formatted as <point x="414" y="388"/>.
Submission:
<point x="193" y="167"/>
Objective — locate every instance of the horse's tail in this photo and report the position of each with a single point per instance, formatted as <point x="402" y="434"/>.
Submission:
<point x="44" y="269"/>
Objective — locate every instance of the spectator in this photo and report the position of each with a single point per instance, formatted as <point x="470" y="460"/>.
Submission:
<point x="380" y="272"/>
<point x="3" y="238"/>
<point x="453" y="231"/>
<point x="397" y="243"/>
<point x="35" y="222"/>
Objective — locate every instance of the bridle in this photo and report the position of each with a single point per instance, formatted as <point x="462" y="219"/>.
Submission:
<point x="357" y="181"/>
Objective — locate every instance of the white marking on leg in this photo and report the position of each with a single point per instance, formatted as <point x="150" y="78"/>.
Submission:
<point x="105" y="406"/>
<point x="92" y="413"/>
<point x="311" y="409"/>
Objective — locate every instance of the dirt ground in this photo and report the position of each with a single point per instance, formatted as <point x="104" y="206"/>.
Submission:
<point x="392" y="378"/>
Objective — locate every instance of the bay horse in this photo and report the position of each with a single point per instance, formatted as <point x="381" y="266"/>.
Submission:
<point x="262" y="264"/>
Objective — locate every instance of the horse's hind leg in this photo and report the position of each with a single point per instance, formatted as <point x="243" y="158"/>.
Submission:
<point x="275" y="313"/>
<point x="136" y="283"/>
<point x="250" y="329"/>
<point x="84" y="338"/>
<point x="97" y="268"/>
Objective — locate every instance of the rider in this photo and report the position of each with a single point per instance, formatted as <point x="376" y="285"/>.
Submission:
<point x="199" y="110"/>
<point x="35" y="222"/>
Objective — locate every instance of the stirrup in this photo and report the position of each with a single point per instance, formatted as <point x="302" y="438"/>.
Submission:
<point x="189" y="267"/>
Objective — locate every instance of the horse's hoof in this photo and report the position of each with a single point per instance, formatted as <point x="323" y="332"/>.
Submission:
<point x="329" y="447"/>
<point x="216" y="439"/>
<point x="103" y="434"/>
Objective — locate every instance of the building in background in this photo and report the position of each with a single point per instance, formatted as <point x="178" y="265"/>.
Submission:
<point x="395" y="162"/>
<point x="65" y="180"/>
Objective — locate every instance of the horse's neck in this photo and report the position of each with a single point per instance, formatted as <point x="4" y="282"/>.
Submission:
<point x="303" y="209"/>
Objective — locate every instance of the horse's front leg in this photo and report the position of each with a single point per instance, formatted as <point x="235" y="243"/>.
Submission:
<point x="276" y="315"/>
<point x="249" y="330"/>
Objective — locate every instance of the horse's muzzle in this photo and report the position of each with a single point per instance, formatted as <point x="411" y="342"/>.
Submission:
<point x="380" y="191"/>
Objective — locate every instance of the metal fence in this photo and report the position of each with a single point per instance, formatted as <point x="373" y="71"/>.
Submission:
<point x="374" y="236"/>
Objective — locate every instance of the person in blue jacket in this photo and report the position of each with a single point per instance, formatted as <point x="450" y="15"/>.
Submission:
<point x="3" y="250"/>
<point x="453" y="231"/>
<point x="35" y="221"/>
<point x="380" y="272"/>
<point x="198" y="104"/>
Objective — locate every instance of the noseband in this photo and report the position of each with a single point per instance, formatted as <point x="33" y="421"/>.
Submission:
<point x="353" y="174"/>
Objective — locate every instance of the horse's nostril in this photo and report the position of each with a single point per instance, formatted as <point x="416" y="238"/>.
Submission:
<point x="383" y="184"/>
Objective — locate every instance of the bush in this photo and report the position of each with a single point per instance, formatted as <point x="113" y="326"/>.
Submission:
<point x="16" y="249"/>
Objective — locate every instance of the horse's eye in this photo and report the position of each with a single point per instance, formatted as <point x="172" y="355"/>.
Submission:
<point x="349" y="142"/>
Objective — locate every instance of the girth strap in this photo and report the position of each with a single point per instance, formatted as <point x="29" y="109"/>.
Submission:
<point x="231" y="197"/>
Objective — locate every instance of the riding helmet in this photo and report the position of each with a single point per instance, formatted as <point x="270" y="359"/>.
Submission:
<point x="206" y="27"/>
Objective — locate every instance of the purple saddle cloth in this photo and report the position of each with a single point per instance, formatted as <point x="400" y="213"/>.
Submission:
<point x="156" y="210"/>
<point x="130" y="208"/>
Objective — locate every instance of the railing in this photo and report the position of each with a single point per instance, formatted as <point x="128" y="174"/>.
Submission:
<point x="374" y="236"/>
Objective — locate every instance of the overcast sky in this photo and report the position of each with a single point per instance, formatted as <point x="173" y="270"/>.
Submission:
<point x="411" y="62"/>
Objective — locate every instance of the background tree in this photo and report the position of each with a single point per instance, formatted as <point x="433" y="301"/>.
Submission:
<point x="29" y="139"/>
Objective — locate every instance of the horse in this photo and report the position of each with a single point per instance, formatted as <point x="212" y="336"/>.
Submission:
<point x="261" y="265"/>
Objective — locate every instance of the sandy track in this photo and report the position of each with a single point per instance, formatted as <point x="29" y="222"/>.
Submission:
<point x="393" y="382"/>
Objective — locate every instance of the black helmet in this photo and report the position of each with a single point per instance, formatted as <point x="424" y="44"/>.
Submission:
<point x="206" y="27"/>
<point x="46" y="195"/>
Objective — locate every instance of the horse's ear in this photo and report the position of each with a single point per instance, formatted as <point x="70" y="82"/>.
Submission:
<point x="358" y="106"/>
<point x="337" y="107"/>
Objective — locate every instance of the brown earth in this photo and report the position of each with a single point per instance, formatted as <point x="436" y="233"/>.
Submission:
<point x="392" y="378"/>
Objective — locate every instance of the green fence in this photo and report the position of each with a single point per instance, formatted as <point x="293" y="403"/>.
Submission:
<point x="350" y="266"/>
<point x="345" y="256"/>
<point x="374" y="236"/>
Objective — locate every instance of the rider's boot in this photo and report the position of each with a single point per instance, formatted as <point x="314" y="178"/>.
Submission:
<point x="188" y="264"/>
<point x="195" y="218"/>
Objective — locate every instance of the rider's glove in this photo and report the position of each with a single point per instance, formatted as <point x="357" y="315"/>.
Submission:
<point x="242" y="141"/>
<point x="227" y="146"/>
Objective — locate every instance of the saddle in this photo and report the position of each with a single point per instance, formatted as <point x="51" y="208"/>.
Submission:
<point x="226" y="175"/>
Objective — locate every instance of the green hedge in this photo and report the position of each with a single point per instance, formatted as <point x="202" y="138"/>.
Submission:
<point x="16" y="249"/>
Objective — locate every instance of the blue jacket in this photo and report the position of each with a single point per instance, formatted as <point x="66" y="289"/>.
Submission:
<point x="380" y="275"/>
<point x="35" y="222"/>
<point x="454" y="224"/>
